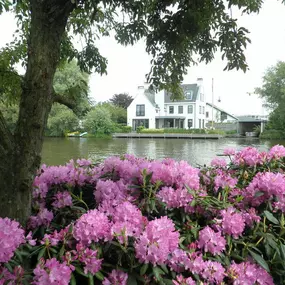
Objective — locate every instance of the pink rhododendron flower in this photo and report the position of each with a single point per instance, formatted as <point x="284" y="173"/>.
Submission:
<point x="89" y="258"/>
<point x="276" y="152"/>
<point x="175" y="198"/>
<point x="116" y="277"/>
<point x="213" y="272"/>
<point x="51" y="272"/>
<point x="44" y="217"/>
<point x="219" y="162"/>
<point x="249" y="156"/>
<point x="232" y="222"/>
<point x="249" y="273"/>
<point x="128" y="221"/>
<point x="14" y="278"/>
<point x="229" y="151"/>
<point x="157" y="241"/>
<point x="224" y="180"/>
<point x="269" y="184"/>
<point x="62" y="199"/>
<point x="92" y="226"/>
<point x="180" y="280"/>
<point x="11" y="237"/>
<point x="110" y="191"/>
<point x="178" y="260"/>
<point x="211" y="241"/>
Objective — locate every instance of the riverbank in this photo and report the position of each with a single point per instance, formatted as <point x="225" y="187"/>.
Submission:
<point x="167" y="136"/>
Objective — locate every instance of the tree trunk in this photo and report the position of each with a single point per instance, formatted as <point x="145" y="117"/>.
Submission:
<point x="21" y="159"/>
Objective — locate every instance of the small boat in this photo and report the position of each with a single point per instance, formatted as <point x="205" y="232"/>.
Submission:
<point x="76" y="134"/>
<point x="251" y="134"/>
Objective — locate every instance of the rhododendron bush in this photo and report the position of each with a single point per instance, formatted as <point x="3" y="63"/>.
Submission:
<point x="130" y="220"/>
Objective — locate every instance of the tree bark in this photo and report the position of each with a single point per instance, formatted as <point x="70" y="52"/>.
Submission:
<point x="23" y="157"/>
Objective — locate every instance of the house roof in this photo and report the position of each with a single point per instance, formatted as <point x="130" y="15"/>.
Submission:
<point x="150" y="96"/>
<point x="251" y="119"/>
<point x="185" y="87"/>
<point x="221" y="110"/>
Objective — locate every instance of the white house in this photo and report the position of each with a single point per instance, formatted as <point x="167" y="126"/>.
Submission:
<point x="218" y="115"/>
<point x="159" y="111"/>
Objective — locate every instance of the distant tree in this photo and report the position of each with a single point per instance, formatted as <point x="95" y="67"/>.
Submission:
<point x="122" y="100"/>
<point x="273" y="91"/>
<point x="118" y="114"/>
<point x="61" y="120"/>
<point x="98" y="121"/>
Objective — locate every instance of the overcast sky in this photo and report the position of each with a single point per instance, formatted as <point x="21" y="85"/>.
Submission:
<point x="127" y="66"/>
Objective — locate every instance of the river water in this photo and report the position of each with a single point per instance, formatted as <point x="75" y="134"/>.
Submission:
<point x="197" y="152"/>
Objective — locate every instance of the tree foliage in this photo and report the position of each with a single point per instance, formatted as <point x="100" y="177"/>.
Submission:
<point x="122" y="100"/>
<point x="177" y="34"/>
<point x="273" y="91"/>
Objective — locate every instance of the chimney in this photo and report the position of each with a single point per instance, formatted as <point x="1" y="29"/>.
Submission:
<point x="200" y="81"/>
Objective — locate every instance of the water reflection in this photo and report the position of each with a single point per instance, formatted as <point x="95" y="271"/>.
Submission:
<point x="59" y="150"/>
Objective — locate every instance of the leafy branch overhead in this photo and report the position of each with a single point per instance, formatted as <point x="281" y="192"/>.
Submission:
<point x="178" y="34"/>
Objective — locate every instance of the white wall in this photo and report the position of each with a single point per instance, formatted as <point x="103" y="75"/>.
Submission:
<point x="150" y="113"/>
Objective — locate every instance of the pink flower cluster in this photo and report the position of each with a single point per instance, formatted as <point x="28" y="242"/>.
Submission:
<point x="211" y="241"/>
<point x="116" y="277"/>
<point x="232" y="223"/>
<point x="118" y="221"/>
<point x="249" y="273"/>
<point x="92" y="227"/>
<point x="11" y="237"/>
<point x="51" y="272"/>
<point x="158" y="240"/>
<point x="128" y="222"/>
<point x="89" y="258"/>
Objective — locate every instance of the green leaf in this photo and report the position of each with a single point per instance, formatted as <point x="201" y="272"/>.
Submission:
<point x="99" y="275"/>
<point x="164" y="268"/>
<point x="144" y="269"/>
<point x="271" y="218"/>
<point x="41" y="253"/>
<point x="90" y="279"/>
<point x="282" y="250"/>
<point x="132" y="280"/>
<point x="72" y="280"/>
<point x="80" y="271"/>
<point x="259" y="259"/>
<point x="167" y="282"/>
<point x="158" y="272"/>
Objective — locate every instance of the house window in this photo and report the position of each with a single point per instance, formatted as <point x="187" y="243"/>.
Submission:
<point x="199" y="123"/>
<point x="203" y="124"/>
<point x="140" y="123"/>
<point x="200" y="109"/>
<point x="207" y="114"/>
<point x="190" y="123"/>
<point x="203" y="110"/>
<point x="180" y="109"/>
<point x="189" y="95"/>
<point x="171" y="109"/>
<point x="140" y="110"/>
<point x="190" y="109"/>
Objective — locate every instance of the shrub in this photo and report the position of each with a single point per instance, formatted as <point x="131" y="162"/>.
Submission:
<point x="216" y="132"/>
<point x="124" y="129"/>
<point x="140" y="129"/>
<point x="99" y="121"/>
<point x="136" y="221"/>
<point x="272" y="134"/>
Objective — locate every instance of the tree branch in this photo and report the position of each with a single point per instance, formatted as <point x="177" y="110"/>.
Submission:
<point x="71" y="104"/>
<point x="6" y="137"/>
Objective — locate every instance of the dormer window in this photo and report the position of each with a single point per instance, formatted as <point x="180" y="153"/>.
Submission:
<point x="188" y="94"/>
